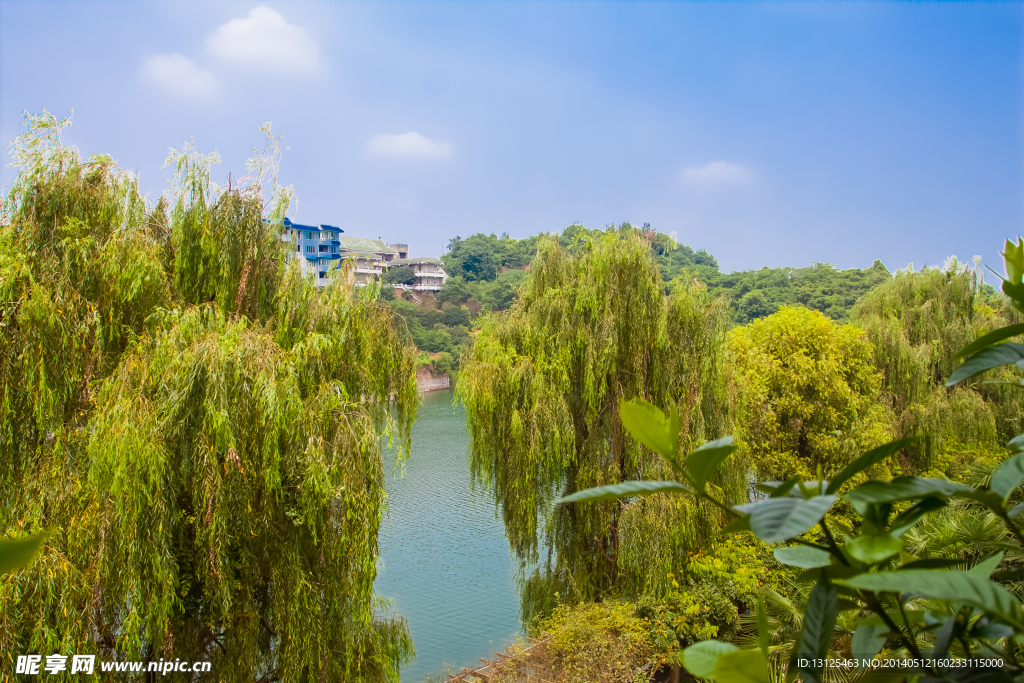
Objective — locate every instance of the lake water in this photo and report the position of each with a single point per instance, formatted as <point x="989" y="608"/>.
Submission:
<point x="444" y="558"/>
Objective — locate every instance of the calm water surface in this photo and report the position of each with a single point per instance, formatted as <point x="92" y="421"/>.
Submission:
<point x="444" y="557"/>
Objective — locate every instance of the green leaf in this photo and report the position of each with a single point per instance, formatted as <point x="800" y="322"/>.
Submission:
<point x="775" y="489"/>
<point x="648" y="425"/>
<point x="626" y="489"/>
<point x="803" y="556"/>
<point x="15" y="553"/>
<point x="987" y="630"/>
<point x="985" y="568"/>
<point x="1008" y="476"/>
<point x="833" y="571"/>
<point x="763" y="635"/>
<point x="1017" y="509"/>
<point x="699" y="659"/>
<point x="911" y="516"/>
<point x="996" y="356"/>
<point x="703" y="462"/>
<point x="904" y="488"/>
<point x="1015" y="292"/>
<point x="872" y="457"/>
<point x="737" y="525"/>
<point x="1016" y="443"/>
<point x="914" y="616"/>
<point x="868" y="640"/>
<point x="872" y="549"/>
<point x="1013" y="258"/>
<point x="993" y="337"/>
<point x="945" y="585"/>
<point x="741" y="666"/>
<point x="818" y="625"/>
<point x="943" y="635"/>
<point x="778" y="519"/>
<point x="931" y="563"/>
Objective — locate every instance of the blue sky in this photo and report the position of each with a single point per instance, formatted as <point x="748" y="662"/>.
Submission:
<point x="768" y="133"/>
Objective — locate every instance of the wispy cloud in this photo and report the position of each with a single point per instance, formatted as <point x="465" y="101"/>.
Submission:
<point x="717" y="173"/>
<point x="410" y="144"/>
<point x="265" y="39"/>
<point x="178" y="75"/>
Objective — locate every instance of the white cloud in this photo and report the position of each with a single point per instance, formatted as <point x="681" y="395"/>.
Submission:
<point x="265" y="39"/>
<point x="179" y="75"/>
<point x="409" y="144"/>
<point x="716" y="173"/>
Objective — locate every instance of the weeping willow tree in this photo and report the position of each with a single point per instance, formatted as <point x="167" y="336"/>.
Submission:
<point x="193" y="423"/>
<point x="542" y="387"/>
<point x="918" y="322"/>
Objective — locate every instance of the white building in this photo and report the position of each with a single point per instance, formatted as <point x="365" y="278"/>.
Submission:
<point x="429" y="272"/>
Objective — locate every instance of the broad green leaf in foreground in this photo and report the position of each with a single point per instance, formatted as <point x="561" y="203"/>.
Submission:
<point x="803" y="556"/>
<point x="648" y="425"/>
<point x="703" y="462"/>
<point x="777" y="519"/>
<point x="741" y="666"/>
<point x="987" y="359"/>
<point x="15" y="553"/>
<point x="945" y="585"/>
<point x="699" y="659"/>
<point x="872" y="457"/>
<point x="871" y="549"/>
<point x="914" y="514"/>
<point x="868" y="640"/>
<point x="993" y="337"/>
<point x="904" y="488"/>
<point x="818" y="624"/>
<point x="625" y="490"/>
<point x="1008" y="476"/>
<point x="985" y="568"/>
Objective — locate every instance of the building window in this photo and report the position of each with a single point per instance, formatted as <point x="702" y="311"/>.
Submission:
<point x="298" y="247"/>
<point x="309" y="250"/>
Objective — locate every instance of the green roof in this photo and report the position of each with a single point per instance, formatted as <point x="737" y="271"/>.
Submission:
<point x="408" y="261"/>
<point x="364" y="245"/>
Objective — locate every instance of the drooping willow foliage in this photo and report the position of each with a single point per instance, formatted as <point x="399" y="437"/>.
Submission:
<point x="196" y="427"/>
<point x="918" y="321"/>
<point x="542" y="387"/>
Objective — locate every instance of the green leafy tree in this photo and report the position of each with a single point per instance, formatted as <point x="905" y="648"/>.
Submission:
<point x="822" y="287"/>
<point x="917" y="322"/>
<point x="195" y="425"/>
<point x="948" y="616"/>
<point x="402" y="275"/>
<point x="473" y="258"/>
<point x="806" y="393"/>
<point x="454" y="291"/>
<point x="541" y="386"/>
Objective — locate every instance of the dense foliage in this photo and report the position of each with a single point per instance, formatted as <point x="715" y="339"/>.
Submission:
<point x="928" y="571"/>
<point x="194" y="425"/>
<point x="806" y="393"/>
<point x="480" y="262"/>
<point x="917" y="322"/>
<point x="541" y="388"/>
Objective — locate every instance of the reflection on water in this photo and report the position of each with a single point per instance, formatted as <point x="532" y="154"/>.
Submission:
<point x="445" y="560"/>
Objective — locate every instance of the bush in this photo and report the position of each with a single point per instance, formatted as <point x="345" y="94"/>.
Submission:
<point x="455" y="290"/>
<point x="598" y="642"/>
<point x="452" y="315"/>
<point x="402" y="275"/>
<point x="443" y="364"/>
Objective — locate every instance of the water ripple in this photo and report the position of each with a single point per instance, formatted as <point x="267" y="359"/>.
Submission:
<point x="444" y="558"/>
